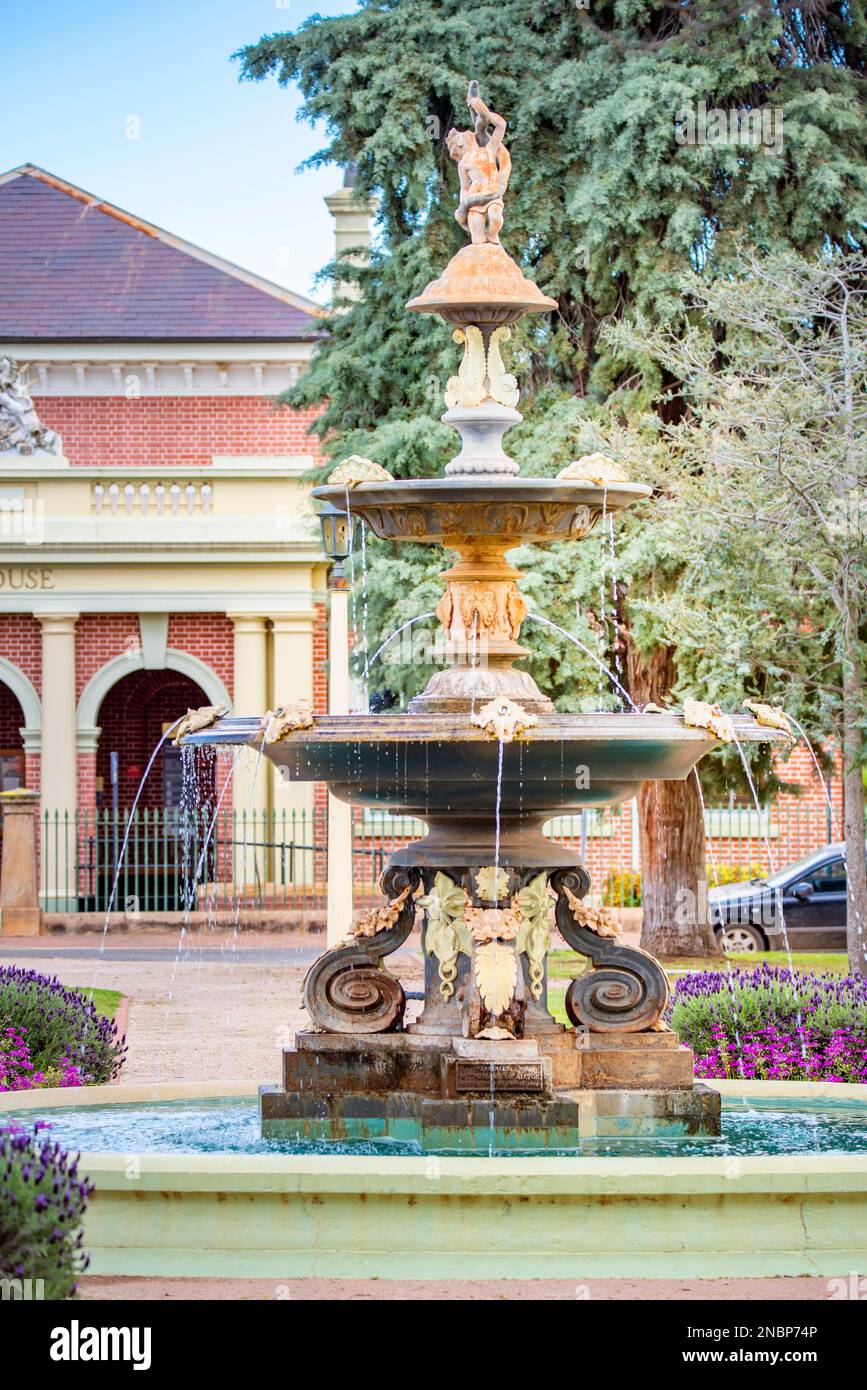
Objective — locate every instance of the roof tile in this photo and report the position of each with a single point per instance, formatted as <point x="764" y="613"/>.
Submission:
<point x="73" y="268"/>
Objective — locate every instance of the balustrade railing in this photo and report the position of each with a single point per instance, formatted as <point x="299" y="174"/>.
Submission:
<point x="152" y="499"/>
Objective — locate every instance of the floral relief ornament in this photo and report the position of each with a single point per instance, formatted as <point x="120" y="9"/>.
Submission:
<point x="377" y="919"/>
<point x="503" y="719"/>
<point x="596" y="919"/>
<point x="492" y="884"/>
<point x="534" y="937"/>
<point x="446" y="934"/>
<point x="494" y="931"/>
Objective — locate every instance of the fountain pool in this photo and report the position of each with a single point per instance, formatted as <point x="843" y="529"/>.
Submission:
<point x="751" y="1127"/>
<point x="186" y="1186"/>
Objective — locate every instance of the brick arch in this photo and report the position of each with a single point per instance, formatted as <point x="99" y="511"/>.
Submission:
<point x="123" y="665"/>
<point x="132" y="717"/>
<point x="24" y="692"/>
<point x="11" y="742"/>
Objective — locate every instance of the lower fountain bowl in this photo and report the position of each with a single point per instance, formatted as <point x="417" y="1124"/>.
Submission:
<point x="783" y="1191"/>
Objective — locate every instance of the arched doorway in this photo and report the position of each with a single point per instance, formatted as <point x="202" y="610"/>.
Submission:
<point x="166" y="835"/>
<point x="133" y="717"/>
<point x="12" y="721"/>
<point x="11" y="746"/>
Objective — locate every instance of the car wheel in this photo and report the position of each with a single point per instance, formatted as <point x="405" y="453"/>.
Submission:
<point x="742" y="938"/>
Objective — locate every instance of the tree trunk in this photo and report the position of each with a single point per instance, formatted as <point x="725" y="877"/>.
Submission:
<point x="853" y="818"/>
<point x="671" y="836"/>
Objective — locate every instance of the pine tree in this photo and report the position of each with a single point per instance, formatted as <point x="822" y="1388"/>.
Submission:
<point x="606" y="211"/>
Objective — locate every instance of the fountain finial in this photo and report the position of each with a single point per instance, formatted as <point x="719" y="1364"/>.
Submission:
<point x="481" y="286"/>
<point x="484" y="165"/>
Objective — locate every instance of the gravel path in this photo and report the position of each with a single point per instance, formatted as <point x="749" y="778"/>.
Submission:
<point x="201" y="1019"/>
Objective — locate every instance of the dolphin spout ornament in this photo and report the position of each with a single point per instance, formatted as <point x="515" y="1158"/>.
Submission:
<point x="698" y="714"/>
<point x="771" y="716"/>
<point x="197" y="719"/>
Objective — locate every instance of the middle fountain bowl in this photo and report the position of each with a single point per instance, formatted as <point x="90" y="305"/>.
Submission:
<point x="481" y="798"/>
<point x="481" y="518"/>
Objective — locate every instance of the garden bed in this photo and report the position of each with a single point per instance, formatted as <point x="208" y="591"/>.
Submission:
<point x="52" y="1036"/>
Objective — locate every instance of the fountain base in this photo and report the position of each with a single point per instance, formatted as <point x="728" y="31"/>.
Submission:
<point x="449" y="1094"/>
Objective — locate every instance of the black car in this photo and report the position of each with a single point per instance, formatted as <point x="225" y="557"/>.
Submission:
<point x="812" y="894"/>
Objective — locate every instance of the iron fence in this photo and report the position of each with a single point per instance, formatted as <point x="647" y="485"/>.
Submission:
<point x="175" y="860"/>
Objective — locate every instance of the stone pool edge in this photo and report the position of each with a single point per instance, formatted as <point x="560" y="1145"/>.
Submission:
<point x="286" y="1216"/>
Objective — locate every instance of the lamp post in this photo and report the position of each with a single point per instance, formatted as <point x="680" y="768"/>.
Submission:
<point x="337" y="534"/>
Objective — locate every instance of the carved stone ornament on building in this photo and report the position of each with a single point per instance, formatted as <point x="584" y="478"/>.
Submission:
<point x="21" y="430"/>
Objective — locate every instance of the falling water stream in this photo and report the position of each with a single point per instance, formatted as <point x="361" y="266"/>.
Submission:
<point x="191" y="895"/>
<point x="364" y="646"/>
<point x="126" y="833"/>
<point x="570" y="637"/>
<point x="834" y="823"/>
<point x="710" y="850"/>
<point x="614" y="597"/>
<point x="763" y="829"/>
<point x="778" y="896"/>
<point x="100" y="956"/>
<point x="602" y="619"/>
<point x="499" y="800"/>
<point x="388" y="641"/>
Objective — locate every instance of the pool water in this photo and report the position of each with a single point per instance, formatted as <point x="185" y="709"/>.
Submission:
<point x="232" y="1126"/>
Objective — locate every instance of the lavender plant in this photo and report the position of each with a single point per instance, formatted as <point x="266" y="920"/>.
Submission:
<point x="773" y="1023"/>
<point x="60" y="1030"/>
<point x="42" y="1203"/>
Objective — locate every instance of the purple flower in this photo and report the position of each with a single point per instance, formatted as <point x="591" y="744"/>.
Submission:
<point x="770" y="1022"/>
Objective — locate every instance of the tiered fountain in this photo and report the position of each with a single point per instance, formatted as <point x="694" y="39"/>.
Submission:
<point x="482" y="757"/>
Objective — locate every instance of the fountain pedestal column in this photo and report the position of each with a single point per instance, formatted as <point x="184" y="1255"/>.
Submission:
<point x="521" y="1080"/>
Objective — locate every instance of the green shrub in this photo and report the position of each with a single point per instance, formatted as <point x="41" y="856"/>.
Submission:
<point x="732" y="873"/>
<point x="61" y="1027"/>
<point x="42" y="1203"/>
<point x="623" y="889"/>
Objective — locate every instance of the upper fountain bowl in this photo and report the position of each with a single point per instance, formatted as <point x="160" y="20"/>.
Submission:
<point x="512" y="510"/>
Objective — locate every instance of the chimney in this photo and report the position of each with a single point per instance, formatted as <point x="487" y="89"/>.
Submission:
<point x="352" y="227"/>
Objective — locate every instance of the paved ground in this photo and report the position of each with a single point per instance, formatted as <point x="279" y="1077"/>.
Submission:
<point x="227" y="954"/>
<point x="212" y="1006"/>
<point x="456" y="1290"/>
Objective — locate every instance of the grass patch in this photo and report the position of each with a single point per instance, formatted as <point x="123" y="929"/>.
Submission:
<point x="105" y="1001"/>
<point x="567" y="965"/>
<point x="557" y="1001"/>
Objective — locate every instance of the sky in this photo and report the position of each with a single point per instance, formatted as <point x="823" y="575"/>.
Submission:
<point x="139" y="104"/>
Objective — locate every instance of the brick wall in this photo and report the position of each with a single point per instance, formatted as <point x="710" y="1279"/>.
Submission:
<point x="21" y="643"/>
<point x="173" y="431"/>
<point x="210" y="637"/>
<point x="98" y="638"/>
<point x="101" y="636"/>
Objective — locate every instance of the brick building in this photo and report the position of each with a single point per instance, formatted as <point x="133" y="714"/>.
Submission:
<point x="166" y="555"/>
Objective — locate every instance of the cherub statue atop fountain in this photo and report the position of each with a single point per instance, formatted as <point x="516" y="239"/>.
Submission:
<point x="484" y="166"/>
